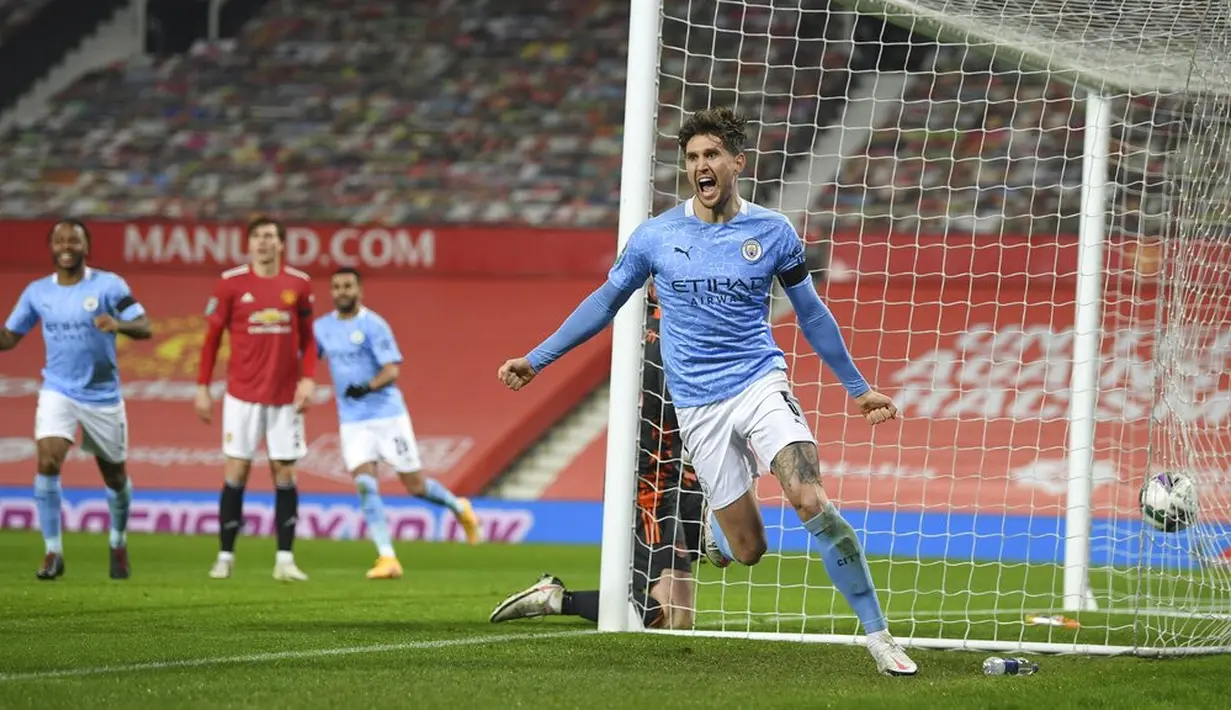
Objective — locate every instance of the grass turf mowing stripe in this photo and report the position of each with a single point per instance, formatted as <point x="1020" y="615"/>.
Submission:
<point x="287" y="655"/>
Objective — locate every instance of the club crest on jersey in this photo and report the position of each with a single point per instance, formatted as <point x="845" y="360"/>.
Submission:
<point x="356" y="337"/>
<point x="288" y="297"/>
<point x="751" y="250"/>
<point x="90" y="304"/>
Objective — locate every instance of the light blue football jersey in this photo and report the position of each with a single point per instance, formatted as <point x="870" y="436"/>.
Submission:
<point x="81" y="359"/>
<point x="714" y="283"/>
<point x="357" y="349"/>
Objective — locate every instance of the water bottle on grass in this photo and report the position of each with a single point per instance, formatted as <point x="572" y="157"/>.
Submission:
<point x="1009" y="666"/>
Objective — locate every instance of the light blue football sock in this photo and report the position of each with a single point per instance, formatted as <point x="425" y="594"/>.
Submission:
<point x="47" y="494"/>
<point x="720" y="538"/>
<point x="435" y="492"/>
<point x="847" y="568"/>
<point x="119" y="503"/>
<point x="374" y="514"/>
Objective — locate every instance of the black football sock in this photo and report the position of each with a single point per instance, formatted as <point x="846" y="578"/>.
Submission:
<point x="286" y="515"/>
<point x="230" y="516"/>
<point x="583" y="604"/>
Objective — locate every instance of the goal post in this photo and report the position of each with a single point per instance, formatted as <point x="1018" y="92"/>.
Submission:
<point x="1087" y="348"/>
<point x="620" y="481"/>
<point x="1025" y="244"/>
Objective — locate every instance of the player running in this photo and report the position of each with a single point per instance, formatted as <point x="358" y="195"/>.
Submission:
<point x="82" y="310"/>
<point x="669" y="520"/>
<point x="375" y="425"/>
<point x="713" y="259"/>
<point x="266" y="308"/>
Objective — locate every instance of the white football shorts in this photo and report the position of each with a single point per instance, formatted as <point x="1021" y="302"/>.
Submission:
<point x="245" y="425"/>
<point x="104" y="427"/>
<point x="726" y="439"/>
<point x="390" y="440"/>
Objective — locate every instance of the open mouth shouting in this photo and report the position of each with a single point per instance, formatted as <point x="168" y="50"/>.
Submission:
<point x="707" y="188"/>
<point x="67" y="258"/>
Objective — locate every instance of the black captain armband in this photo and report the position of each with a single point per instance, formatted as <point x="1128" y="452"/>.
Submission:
<point x="794" y="275"/>
<point x="124" y="303"/>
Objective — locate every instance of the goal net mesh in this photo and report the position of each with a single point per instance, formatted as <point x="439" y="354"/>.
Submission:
<point x="941" y="207"/>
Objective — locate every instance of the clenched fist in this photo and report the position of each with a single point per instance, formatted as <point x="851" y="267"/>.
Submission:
<point x="876" y="407"/>
<point x="516" y="373"/>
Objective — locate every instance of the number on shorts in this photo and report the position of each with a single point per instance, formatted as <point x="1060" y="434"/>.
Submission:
<point x="401" y="445"/>
<point x="793" y="404"/>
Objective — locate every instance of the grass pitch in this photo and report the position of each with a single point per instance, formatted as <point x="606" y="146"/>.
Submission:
<point x="171" y="637"/>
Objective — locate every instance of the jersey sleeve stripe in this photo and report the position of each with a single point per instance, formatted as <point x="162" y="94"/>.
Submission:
<point x="237" y="271"/>
<point x="297" y="273"/>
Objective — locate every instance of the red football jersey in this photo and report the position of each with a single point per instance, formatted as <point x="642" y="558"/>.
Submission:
<point x="269" y="321"/>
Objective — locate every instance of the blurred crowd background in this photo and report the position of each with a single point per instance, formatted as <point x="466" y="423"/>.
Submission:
<point x="510" y="111"/>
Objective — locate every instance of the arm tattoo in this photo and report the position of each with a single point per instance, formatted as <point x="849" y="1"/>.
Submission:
<point x="797" y="464"/>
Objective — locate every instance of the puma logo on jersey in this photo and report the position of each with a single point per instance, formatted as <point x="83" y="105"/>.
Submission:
<point x="685" y="252"/>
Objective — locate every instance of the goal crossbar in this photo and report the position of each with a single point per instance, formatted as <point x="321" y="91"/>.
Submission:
<point x="1131" y="45"/>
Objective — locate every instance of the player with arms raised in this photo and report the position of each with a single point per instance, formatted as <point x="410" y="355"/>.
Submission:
<point x="364" y="362"/>
<point x="669" y="519"/>
<point x="82" y="310"/>
<point x="266" y="309"/>
<point x="713" y="259"/>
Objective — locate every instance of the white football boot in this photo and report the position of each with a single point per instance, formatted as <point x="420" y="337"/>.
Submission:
<point x="288" y="572"/>
<point x="891" y="659"/>
<point x="543" y="598"/>
<point x="222" y="568"/>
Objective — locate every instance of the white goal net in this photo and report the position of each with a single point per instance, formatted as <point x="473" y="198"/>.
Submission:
<point x="1023" y="229"/>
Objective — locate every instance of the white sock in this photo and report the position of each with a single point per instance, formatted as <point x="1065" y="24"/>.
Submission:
<point x="386" y="551"/>
<point x="284" y="557"/>
<point x="226" y="556"/>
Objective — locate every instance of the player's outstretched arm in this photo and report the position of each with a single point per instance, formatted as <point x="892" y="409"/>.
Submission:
<point x="822" y="333"/>
<point x="587" y="320"/>
<point x="630" y="271"/>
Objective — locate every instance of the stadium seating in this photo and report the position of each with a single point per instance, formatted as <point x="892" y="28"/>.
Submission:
<point x="933" y="170"/>
<point x="16" y="13"/>
<point x="789" y="87"/>
<point x="472" y="111"/>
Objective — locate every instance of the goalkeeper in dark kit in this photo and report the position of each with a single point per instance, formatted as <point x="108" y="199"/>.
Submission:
<point x="669" y="525"/>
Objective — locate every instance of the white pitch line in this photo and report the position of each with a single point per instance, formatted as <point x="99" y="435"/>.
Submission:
<point x="287" y="655"/>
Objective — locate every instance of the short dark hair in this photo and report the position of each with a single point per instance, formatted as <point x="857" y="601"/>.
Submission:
<point x="85" y="232"/>
<point x="722" y="123"/>
<point x="348" y="270"/>
<point x="264" y="220"/>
